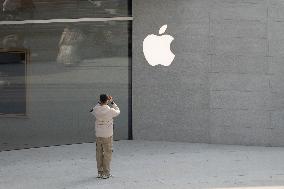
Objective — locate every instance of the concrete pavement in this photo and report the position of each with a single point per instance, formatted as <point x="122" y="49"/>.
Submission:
<point x="145" y="164"/>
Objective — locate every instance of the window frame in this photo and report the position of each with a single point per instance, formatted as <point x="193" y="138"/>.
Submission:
<point x="27" y="85"/>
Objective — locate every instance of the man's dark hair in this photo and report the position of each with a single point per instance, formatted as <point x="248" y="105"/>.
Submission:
<point x="103" y="98"/>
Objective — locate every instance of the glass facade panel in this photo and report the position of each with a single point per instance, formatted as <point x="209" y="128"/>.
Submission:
<point x="47" y="9"/>
<point x="68" y="66"/>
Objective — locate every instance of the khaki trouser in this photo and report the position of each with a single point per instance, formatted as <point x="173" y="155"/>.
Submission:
<point x="104" y="154"/>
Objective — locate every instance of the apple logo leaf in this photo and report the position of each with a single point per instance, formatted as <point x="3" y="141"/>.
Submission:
<point x="163" y="29"/>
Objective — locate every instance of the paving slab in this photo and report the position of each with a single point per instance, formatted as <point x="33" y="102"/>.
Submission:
<point x="145" y="164"/>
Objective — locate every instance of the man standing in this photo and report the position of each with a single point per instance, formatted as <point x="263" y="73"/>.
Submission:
<point x="104" y="133"/>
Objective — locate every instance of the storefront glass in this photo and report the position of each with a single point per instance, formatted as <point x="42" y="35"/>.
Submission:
<point x="51" y="73"/>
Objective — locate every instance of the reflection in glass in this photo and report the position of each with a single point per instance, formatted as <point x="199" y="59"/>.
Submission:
<point x="69" y="44"/>
<point x="55" y="97"/>
<point x="13" y="83"/>
<point x="18" y="9"/>
<point x="12" y="41"/>
<point x="61" y="9"/>
<point x="58" y="95"/>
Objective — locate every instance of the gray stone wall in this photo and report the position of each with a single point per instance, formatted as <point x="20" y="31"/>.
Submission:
<point x="226" y="82"/>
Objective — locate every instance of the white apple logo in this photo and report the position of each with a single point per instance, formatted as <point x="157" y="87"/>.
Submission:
<point x="157" y="49"/>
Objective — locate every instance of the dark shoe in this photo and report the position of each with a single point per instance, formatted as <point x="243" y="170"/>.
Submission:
<point x="105" y="176"/>
<point x="100" y="175"/>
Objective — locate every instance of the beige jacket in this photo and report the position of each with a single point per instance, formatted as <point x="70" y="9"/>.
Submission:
<point x="104" y="119"/>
